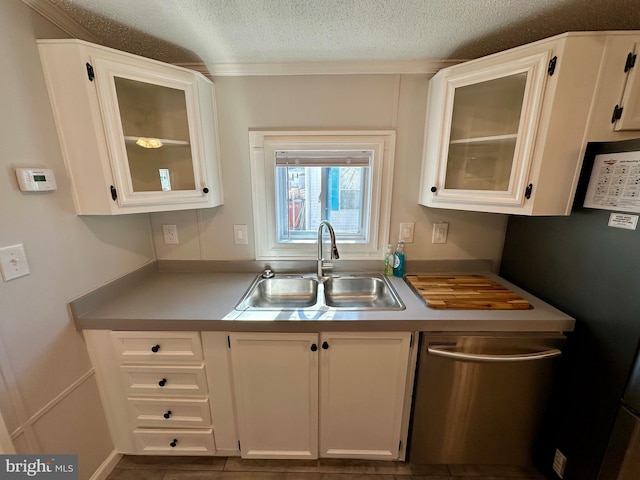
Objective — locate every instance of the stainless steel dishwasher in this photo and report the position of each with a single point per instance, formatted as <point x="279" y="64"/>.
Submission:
<point x="480" y="398"/>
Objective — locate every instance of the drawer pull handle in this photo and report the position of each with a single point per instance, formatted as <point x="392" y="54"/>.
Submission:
<point x="167" y="415"/>
<point x="174" y="443"/>
<point x="325" y="345"/>
<point x="155" y="348"/>
<point x="162" y="382"/>
<point x="314" y="347"/>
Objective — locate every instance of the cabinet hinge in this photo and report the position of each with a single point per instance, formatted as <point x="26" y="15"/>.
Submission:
<point x="114" y="193"/>
<point x="552" y="65"/>
<point x="228" y="341"/>
<point x="528" y="191"/>
<point x="90" y="73"/>
<point x="617" y="113"/>
<point x="631" y="61"/>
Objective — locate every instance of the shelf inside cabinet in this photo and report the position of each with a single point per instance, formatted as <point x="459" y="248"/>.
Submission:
<point x="165" y="141"/>
<point x="488" y="139"/>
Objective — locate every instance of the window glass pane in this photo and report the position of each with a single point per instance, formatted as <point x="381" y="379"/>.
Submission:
<point x="307" y="195"/>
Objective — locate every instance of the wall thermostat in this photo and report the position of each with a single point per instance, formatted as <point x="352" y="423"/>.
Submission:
<point x="36" y="179"/>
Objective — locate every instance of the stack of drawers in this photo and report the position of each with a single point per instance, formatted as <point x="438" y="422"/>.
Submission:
<point x="164" y="378"/>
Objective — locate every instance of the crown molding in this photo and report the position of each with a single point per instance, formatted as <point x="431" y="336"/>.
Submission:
<point x="64" y="22"/>
<point x="321" y="68"/>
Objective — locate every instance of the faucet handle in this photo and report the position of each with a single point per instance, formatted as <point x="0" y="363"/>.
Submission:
<point x="327" y="268"/>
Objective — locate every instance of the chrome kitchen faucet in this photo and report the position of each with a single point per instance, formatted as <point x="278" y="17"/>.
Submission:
<point x="322" y="265"/>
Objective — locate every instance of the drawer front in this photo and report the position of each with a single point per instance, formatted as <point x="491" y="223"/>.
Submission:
<point x="164" y="380"/>
<point x="161" y="347"/>
<point x="169" y="412"/>
<point x="175" y="441"/>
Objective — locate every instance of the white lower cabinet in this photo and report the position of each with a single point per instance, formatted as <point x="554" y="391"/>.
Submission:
<point x="164" y="392"/>
<point x="275" y="379"/>
<point x="329" y="394"/>
<point x="363" y="383"/>
<point x="260" y="395"/>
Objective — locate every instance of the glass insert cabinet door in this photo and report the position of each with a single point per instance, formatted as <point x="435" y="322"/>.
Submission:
<point x="152" y="126"/>
<point x="491" y="117"/>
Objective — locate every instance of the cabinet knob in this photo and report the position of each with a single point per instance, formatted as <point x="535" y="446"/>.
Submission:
<point x="162" y="382"/>
<point x="314" y="347"/>
<point x="325" y="345"/>
<point x="205" y="190"/>
<point x="174" y="443"/>
<point x="155" y="348"/>
<point x="167" y="414"/>
<point x="434" y="189"/>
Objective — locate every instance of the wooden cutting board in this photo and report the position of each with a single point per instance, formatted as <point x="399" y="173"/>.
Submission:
<point x="475" y="292"/>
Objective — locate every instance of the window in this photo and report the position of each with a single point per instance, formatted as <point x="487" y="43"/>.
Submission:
<point x="312" y="186"/>
<point x="302" y="178"/>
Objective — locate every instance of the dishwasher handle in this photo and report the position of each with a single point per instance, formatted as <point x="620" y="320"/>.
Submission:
<point x="481" y="357"/>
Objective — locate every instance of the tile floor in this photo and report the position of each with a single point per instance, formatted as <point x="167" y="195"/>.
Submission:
<point x="233" y="468"/>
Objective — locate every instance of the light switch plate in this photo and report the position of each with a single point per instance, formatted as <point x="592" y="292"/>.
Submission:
<point x="240" y="234"/>
<point x="13" y="262"/>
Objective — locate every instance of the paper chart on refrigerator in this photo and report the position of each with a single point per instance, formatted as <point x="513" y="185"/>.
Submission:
<point x="615" y="182"/>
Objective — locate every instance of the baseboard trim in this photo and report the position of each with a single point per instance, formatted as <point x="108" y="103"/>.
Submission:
<point x="107" y="466"/>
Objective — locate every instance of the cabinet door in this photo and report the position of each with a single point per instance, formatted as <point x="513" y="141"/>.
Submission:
<point x="630" y="116"/>
<point x="363" y="378"/>
<point x="275" y="378"/>
<point x="151" y="120"/>
<point x="489" y="112"/>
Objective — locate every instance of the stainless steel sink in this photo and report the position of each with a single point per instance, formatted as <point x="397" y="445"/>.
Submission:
<point x="280" y="292"/>
<point x="373" y="292"/>
<point x="344" y="292"/>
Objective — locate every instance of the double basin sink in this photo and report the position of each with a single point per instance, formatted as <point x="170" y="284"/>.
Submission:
<point x="299" y="291"/>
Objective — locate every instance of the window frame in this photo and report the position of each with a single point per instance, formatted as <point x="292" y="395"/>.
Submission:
<point x="264" y="144"/>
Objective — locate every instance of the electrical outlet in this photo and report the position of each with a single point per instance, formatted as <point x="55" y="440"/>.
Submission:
<point x="170" y="233"/>
<point x="559" y="463"/>
<point x="406" y="232"/>
<point x="440" y="232"/>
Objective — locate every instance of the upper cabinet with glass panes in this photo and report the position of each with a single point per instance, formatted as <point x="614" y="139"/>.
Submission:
<point x="137" y="135"/>
<point x="506" y="133"/>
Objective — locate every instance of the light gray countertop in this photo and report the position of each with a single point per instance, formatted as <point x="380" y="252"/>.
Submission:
<point x="151" y="299"/>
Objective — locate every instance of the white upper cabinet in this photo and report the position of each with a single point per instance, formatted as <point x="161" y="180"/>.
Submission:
<point x="506" y="133"/>
<point x="626" y="115"/>
<point x="616" y="114"/>
<point x="137" y="135"/>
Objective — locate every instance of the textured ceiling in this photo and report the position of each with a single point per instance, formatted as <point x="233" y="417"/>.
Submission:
<point x="274" y="31"/>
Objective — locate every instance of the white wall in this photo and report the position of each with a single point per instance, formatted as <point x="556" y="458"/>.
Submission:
<point x="330" y="102"/>
<point x="48" y="395"/>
